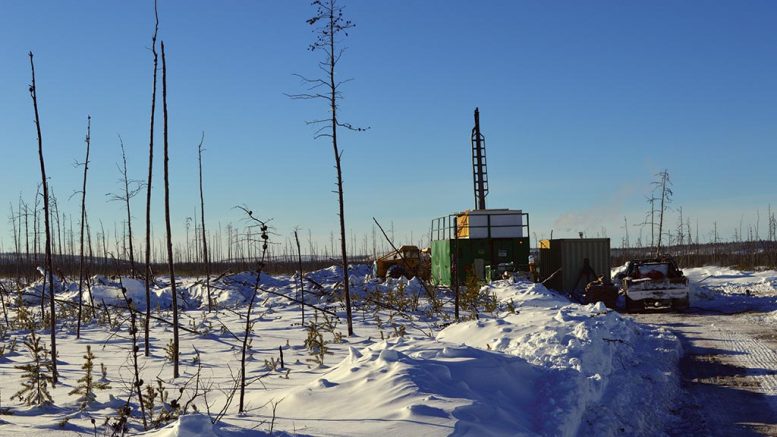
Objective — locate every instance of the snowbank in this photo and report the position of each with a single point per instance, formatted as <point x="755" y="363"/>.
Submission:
<point x="333" y="274"/>
<point x="599" y="371"/>
<point x="727" y="290"/>
<point x="187" y="426"/>
<point x="552" y="368"/>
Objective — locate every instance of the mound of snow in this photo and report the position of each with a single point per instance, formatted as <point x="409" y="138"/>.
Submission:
<point x="727" y="290"/>
<point x="593" y="361"/>
<point x="187" y="426"/>
<point x="394" y="385"/>
<point x="550" y="368"/>
<point x="249" y="278"/>
<point x="334" y="274"/>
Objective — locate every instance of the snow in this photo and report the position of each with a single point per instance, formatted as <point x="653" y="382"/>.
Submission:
<point x="187" y="426"/>
<point x="590" y="360"/>
<point x="538" y="365"/>
<point x="727" y="290"/>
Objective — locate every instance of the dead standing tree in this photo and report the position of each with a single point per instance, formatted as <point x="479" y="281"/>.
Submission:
<point x="170" y="260"/>
<point x="202" y="223"/>
<point x="664" y="185"/>
<point x="148" y="186"/>
<point x="83" y="224"/>
<point x="130" y="188"/>
<point x="263" y="228"/>
<point x="301" y="278"/>
<point x="47" y="226"/>
<point x="330" y="25"/>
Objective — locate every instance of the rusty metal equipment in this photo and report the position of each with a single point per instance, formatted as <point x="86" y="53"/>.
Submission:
<point x="600" y="290"/>
<point x="408" y="261"/>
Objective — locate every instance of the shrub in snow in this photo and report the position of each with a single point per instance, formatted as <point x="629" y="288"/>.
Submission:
<point x="37" y="375"/>
<point x="86" y="384"/>
<point x="159" y="409"/>
<point x="170" y="351"/>
<point x="315" y="342"/>
<point x="473" y="296"/>
<point x="23" y="318"/>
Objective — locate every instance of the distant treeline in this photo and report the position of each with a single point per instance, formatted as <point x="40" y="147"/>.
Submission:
<point x="25" y="268"/>
<point x="746" y="255"/>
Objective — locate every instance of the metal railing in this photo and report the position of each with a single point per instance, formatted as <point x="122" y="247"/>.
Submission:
<point x="446" y="227"/>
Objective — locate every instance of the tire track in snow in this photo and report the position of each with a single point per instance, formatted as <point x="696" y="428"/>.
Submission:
<point x="756" y="356"/>
<point x="729" y="374"/>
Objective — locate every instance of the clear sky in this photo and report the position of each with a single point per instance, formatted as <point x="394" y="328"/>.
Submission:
<point x="581" y="104"/>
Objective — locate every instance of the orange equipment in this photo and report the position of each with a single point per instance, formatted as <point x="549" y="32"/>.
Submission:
<point x="407" y="261"/>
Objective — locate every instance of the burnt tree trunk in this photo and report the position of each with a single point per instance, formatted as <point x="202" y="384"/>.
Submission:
<point x="301" y="279"/>
<point x="83" y="224"/>
<point x="170" y="260"/>
<point x="202" y="223"/>
<point x="47" y="225"/>
<point x="148" y="278"/>
<point x="128" y="194"/>
<point x="330" y="18"/>
<point x="146" y="327"/>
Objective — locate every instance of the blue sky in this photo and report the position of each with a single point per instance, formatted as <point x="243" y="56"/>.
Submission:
<point x="581" y="104"/>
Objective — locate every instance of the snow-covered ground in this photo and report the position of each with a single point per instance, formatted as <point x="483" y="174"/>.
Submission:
<point x="536" y="365"/>
<point x="728" y="290"/>
<point x="729" y="371"/>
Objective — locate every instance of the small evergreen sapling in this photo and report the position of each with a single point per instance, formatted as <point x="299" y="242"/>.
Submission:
<point x="86" y="384"/>
<point x="36" y="375"/>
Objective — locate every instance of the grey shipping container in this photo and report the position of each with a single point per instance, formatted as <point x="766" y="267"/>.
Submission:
<point x="567" y="255"/>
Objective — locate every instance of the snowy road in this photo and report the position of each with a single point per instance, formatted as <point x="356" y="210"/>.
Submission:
<point x="729" y="372"/>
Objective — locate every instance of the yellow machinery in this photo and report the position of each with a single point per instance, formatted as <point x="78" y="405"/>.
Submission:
<point x="406" y="261"/>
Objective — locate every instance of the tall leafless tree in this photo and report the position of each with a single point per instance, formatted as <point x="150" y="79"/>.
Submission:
<point x="202" y="223"/>
<point x="26" y="216"/>
<point x="35" y="226"/>
<point x="664" y="186"/>
<point x="47" y="225"/>
<point x="130" y="188"/>
<point x="301" y="279"/>
<point x="170" y="260"/>
<point x="263" y="229"/>
<point x="148" y="277"/>
<point x="330" y="25"/>
<point x="56" y="242"/>
<point x="83" y="225"/>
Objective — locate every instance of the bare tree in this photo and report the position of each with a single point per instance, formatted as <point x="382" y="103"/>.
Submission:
<point x="12" y="218"/>
<point x="148" y="186"/>
<point x="137" y="382"/>
<point x="83" y="224"/>
<point x="36" y="225"/>
<point x="47" y="225"/>
<point x="263" y="228"/>
<point x="301" y="279"/>
<point x="664" y="186"/>
<point x="130" y="188"/>
<point x="170" y="260"/>
<point x="26" y="231"/>
<point x="330" y="25"/>
<point x="105" y="241"/>
<point x="57" y="248"/>
<point x="202" y="223"/>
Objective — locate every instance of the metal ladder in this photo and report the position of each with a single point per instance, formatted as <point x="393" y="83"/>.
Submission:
<point x="479" y="172"/>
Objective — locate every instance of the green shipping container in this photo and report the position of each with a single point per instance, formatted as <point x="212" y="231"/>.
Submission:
<point x="474" y="255"/>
